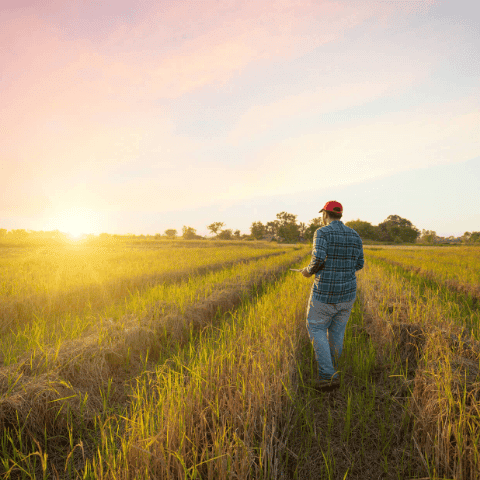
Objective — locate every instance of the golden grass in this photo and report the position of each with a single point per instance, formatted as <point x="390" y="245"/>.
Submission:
<point x="47" y="319"/>
<point x="457" y="268"/>
<point x="214" y="383"/>
<point x="219" y="412"/>
<point x="443" y="358"/>
<point x="60" y="387"/>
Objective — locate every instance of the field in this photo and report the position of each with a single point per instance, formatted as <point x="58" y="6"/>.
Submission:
<point x="191" y="360"/>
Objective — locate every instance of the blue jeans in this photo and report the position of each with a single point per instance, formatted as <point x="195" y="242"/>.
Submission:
<point x="331" y="318"/>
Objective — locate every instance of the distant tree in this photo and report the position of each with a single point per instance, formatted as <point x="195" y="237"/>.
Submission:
<point x="286" y="218"/>
<point x="189" y="233"/>
<point x="365" y="229"/>
<point x="237" y="233"/>
<point x="19" y="233"/>
<point x="471" y="237"/>
<point x="398" y="229"/>
<point x="312" y="226"/>
<point x="171" y="233"/>
<point x="288" y="228"/>
<point x="3" y="232"/>
<point x="225" y="234"/>
<point x="272" y="227"/>
<point x="289" y="232"/>
<point x="257" y="230"/>
<point x="215" y="227"/>
<point x="428" y="236"/>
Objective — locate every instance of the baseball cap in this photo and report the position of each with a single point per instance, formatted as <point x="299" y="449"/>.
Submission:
<point x="332" y="206"/>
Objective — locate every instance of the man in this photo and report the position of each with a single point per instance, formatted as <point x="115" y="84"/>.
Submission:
<point x="337" y="254"/>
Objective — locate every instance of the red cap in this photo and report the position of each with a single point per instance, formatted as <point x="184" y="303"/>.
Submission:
<point x="332" y="206"/>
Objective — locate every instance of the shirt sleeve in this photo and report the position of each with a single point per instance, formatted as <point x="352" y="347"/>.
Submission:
<point x="319" y="253"/>
<point x="360" y="259"/>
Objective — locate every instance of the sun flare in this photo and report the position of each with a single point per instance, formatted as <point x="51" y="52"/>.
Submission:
<point x="75" y="222"/>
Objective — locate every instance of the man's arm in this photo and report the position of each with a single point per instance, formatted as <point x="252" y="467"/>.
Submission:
<point x="319" y="254"/>
<point x="360" y="259"/>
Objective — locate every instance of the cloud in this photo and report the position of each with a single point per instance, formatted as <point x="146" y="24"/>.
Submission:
<point x="76" y="107"/>
<point x="360" y="151"/>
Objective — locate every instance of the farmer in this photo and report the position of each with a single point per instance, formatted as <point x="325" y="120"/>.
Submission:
<point x="337" y="254"/>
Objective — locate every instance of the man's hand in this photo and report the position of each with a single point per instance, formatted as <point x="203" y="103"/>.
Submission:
<point x="305" y="273"/>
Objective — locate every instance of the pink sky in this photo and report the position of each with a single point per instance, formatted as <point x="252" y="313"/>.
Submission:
<point x="90" y="89"/>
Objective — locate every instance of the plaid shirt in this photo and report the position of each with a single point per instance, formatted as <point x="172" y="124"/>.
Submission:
<point x="337" y="254"/>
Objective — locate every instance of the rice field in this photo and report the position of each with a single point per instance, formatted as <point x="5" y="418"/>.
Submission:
<point x="191" y="360"/>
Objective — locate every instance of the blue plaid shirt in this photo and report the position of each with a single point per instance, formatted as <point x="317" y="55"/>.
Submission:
<point x="337" y="254"/>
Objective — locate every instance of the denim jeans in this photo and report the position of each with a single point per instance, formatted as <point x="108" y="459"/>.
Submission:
<point x="331" y="319"/>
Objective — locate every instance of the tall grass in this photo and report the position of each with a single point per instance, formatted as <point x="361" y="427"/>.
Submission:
<point x="224" y="388"/>
<point x="76" y="383"/>
<point x="36" y="322"/>
<point x="444" y="365"/>
<point x="220" y="408"/>
<point x="51" y="283"/>
<point x="458" y="268"/>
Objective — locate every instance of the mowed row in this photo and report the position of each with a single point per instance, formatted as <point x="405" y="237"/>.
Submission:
<point x="216" y="384"/>
<point x="49" y="295"/>
<point x="51" y="389"/>
<point x="455" y="268"/>
<point x="419" y="307"/>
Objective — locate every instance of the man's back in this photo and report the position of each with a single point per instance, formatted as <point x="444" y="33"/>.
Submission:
<point x="337" y="255"/>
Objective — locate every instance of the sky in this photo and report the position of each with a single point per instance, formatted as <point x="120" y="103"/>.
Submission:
<point x="137" y="116"/>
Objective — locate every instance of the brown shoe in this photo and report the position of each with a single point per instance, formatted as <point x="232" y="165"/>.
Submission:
<point x="325" y="385"/>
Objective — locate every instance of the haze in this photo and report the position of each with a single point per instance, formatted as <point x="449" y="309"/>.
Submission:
<point x="139" y="116"/>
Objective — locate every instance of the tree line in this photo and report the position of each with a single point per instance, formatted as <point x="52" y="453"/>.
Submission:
<point x="285" y="229"/>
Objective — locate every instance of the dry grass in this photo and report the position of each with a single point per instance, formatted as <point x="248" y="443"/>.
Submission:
<point x="443" y="360"/>
<point x="457" y="269"/>
<point x="49" y="392"/>
<point x="218" y="388"/>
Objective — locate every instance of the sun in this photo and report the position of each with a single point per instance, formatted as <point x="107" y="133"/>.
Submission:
<point x="75" y="221"/>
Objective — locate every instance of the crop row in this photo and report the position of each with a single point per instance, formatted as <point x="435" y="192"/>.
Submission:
<point x="219" y="409"/>
<point x="458" y="269"/>
<point x="54" y="282"/>
<point x="237" y="403"/>
<point x="461" y="308"/>
<point x="48" y="321"/>
<point x="51" y="392"/>
<point x="441" y="360"/>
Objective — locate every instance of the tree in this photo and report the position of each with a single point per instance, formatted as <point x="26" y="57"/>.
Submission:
<point x="475" y="237"/>
<point x="257" y="230"/>
<point x="471" y="237"/>
<point x="3" y="232"/>
<point x="289" y="232"/>
<point x="364" y="229"/>
<point x="302" y="227"/>
<point x="171" y="233"/>
<point x="398" y="229"/>
<point x="225" y="234"/>
<point x="428" y="236"/>
<point x="19" y="233"/>
<point x="286" y="218"/>
<point x="215" y="227"/>
<point x="312" y="226"/>
<point x="189" y="233"/>
<point x="237" y="233"/>
<point x="287" y="226"/>
<point x="272" y="227"/>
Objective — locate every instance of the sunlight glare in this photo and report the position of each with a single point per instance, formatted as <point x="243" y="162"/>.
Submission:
<point x="75" y="222"/>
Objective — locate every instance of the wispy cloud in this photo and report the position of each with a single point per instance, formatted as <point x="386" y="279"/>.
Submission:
<point x="359" y="151"/>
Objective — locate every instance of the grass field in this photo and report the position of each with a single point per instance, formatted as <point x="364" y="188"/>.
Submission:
<point x="188" y="360"/>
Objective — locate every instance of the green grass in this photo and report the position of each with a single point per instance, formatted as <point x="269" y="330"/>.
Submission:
<point x="231" y="398"/>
